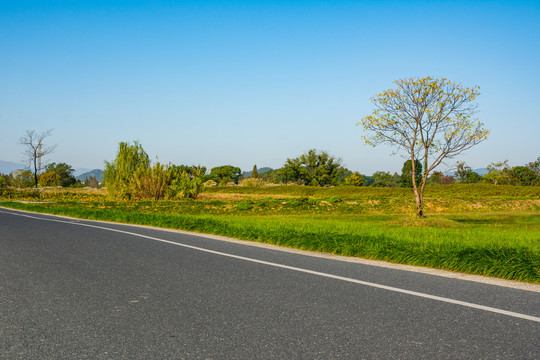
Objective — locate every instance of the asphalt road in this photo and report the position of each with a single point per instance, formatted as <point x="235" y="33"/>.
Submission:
<point x="72" y="289"/>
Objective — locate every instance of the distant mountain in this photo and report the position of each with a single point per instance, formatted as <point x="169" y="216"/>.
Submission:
<point x="247" y="174"/>
<point x="97" y="173"/>
<point x="7" y="167"/>
<point x="481" y="172"/>
<point x="80" y="171"/>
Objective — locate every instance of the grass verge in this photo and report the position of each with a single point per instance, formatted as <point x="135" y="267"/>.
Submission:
<point x="498" y="245"/>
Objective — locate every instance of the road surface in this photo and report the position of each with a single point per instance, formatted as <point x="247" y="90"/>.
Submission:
<point x="74" y="289"/>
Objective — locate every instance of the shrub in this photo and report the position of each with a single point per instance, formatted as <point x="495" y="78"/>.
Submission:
<point x="355" y="179"/>
<point x="130" y="176"/>
<point x="186" y="184"/>
<point x="118" y="176"/>
<point x="150" y="183"/>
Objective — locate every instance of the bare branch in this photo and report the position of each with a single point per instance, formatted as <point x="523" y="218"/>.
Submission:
<point x="36" y="150"/>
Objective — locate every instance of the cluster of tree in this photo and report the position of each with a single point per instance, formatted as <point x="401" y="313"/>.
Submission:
<point x="132" y="176"/>
<point x="91" y="181"/>
<point x="501" y="173"/>
<point x="322" y="169"/>
<point x="60" y="174"/>
<point x="57" y="175"/>
<point x="223" y="175"/>
<point x="17" y="179"/>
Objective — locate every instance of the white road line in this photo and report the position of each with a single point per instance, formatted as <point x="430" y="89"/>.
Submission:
<point x="342" y="278"/>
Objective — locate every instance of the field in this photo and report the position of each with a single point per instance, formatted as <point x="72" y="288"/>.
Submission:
<point x="479" y="229"/>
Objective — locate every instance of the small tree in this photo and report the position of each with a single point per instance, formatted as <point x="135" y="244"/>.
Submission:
<point x="407" y="175"/>
<point x="254" y="172"/>
<point x="465" y="175"/>
<point x="534" y="166"/>
<point x="3" y="183"/>
<point x="462" y="169"/>
<point x="21" y="178"/>
<point x="91" y="181"/>
<point x="355" y="179"/>
<point x="436" y="177"/>
<point x="499" y="173"/>
<point x="36" y="150"/>
<point x="49" y="178"/>
<point x="429" y="119"/>
<point x="447" y="180"/>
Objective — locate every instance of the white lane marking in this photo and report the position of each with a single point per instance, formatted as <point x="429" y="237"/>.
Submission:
<point x="293" y="268"/>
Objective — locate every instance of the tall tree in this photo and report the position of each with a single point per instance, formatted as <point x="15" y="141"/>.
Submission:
<point x="36" y="150"/>
<point x="254" y="172"/>
<point x="462" y="170"/>
<point x="430" y="119"/>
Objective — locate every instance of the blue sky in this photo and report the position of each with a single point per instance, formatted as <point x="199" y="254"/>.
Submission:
<point x="256" y="82"/>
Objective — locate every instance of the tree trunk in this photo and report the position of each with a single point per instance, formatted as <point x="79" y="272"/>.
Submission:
<point x="35" y="173"/>
<point x="419" y="198"/>
<point x="418" y="193"/>
<point x="420" y="210"/>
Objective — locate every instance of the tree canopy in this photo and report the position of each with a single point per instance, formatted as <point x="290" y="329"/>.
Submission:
<point x="60" y="174"/>
<point x="312" y="168"/>
<point x="355" y="179"/>
<point x="225" y="174"/>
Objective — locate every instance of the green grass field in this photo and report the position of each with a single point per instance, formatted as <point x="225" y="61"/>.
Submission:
<point x="478" y="229"/>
